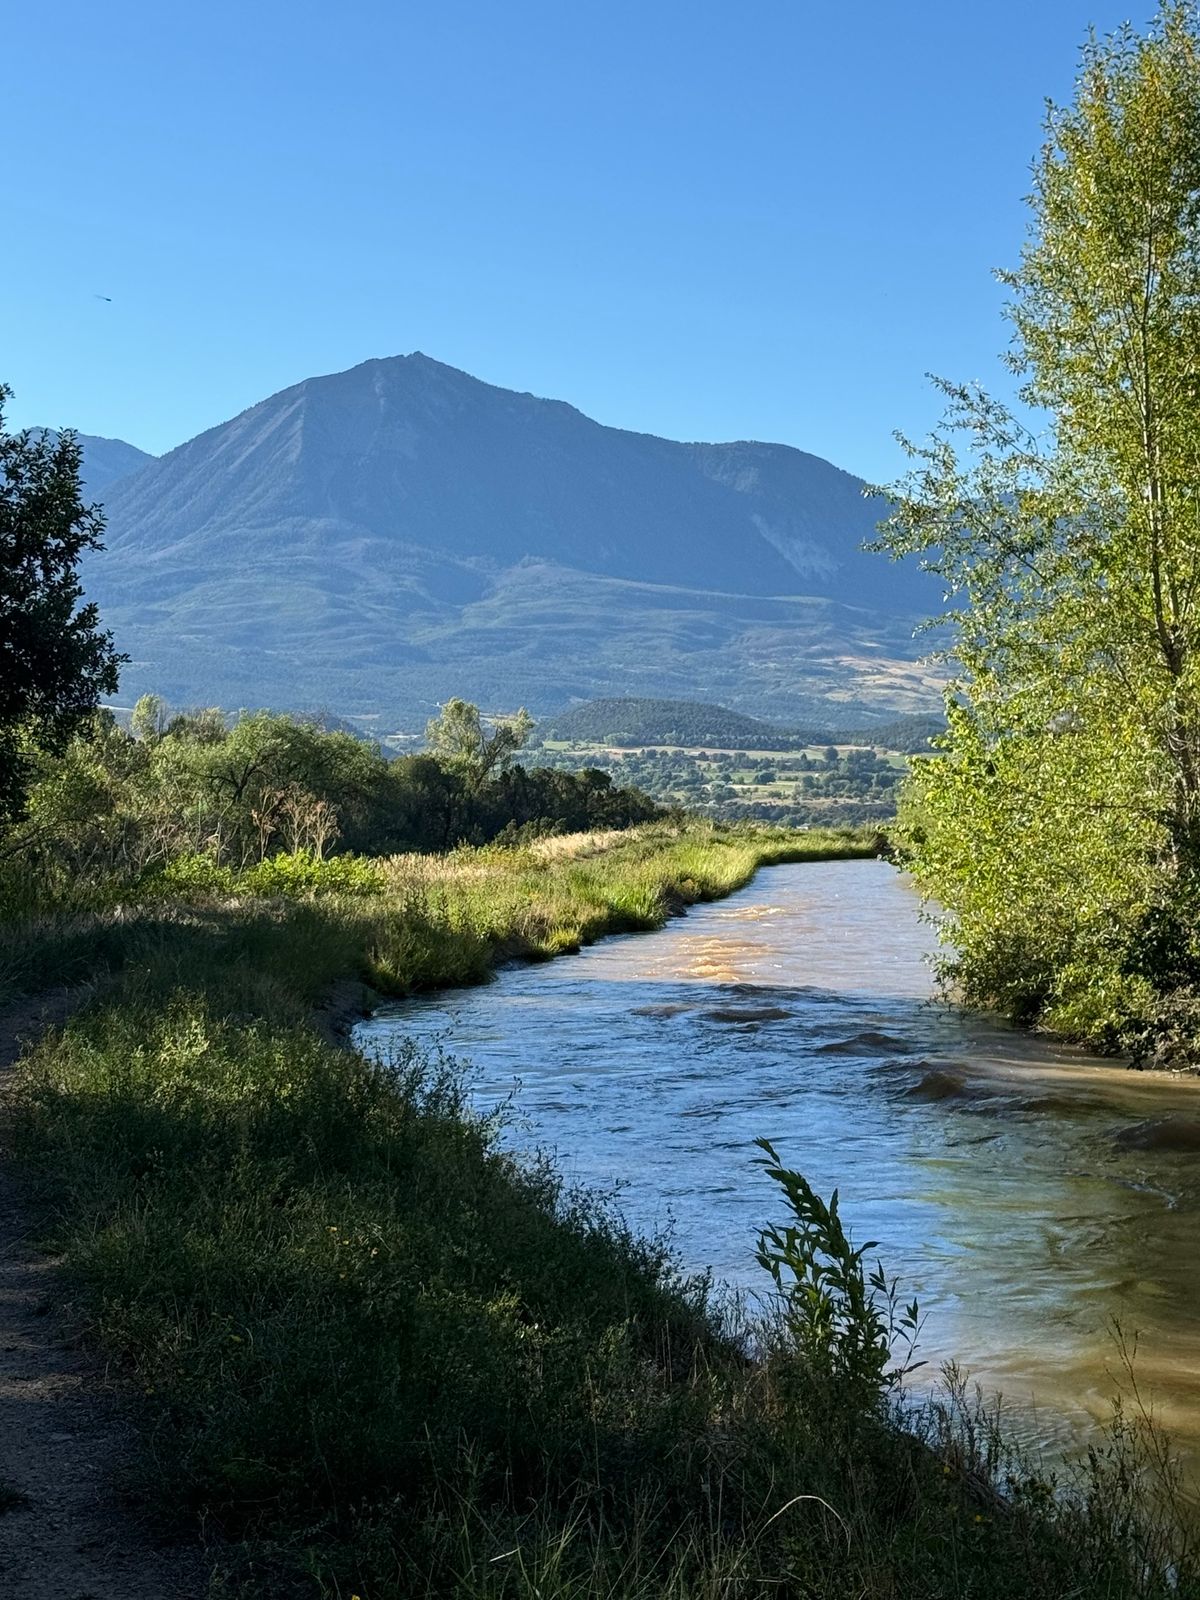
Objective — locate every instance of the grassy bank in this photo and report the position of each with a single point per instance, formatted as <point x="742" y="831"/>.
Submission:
<point x="384" y="1359"/>
<point x="284" y="931"/>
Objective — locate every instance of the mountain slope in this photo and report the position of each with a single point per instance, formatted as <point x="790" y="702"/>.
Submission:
<point x="378" y="539"/>
<point x="105" y="461"/>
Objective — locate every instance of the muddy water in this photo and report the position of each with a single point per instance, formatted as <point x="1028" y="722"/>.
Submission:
<point x="1027" y="1194"/>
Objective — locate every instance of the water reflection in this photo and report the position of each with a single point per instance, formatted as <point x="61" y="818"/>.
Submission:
<point x="1027" y="1193"/>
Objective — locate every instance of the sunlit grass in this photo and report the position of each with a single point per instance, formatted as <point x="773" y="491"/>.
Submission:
<point x="438" y="920"/>
<point x="381" y="1357"/>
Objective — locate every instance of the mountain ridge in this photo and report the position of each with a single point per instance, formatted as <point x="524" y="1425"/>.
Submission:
<point x="401" y="531"/>
<point x="105" y="460"/>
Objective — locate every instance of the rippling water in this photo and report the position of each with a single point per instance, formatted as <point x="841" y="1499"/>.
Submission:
<point x="1026" y="1193"/>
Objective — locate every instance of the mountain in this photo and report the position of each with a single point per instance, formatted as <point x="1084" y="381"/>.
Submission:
<point x="378" y="539"/>
<point x="105" y="461"/>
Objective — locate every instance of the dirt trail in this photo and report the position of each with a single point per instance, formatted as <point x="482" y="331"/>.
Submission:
<point x="67" y="1446"/>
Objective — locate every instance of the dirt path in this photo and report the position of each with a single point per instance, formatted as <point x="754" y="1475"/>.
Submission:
<point x="69" y="1530"/>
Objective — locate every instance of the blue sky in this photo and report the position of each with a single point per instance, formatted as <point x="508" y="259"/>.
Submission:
<point x="756" y="220"/>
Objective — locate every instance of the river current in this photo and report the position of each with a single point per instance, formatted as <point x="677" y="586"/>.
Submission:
<point x="1028" y="1194"/>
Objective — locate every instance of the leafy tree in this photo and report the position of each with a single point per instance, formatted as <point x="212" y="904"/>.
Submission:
<point x="1061" y="822"/>
<point x="460" y="737"/>
<point x="114" y="809"/>
<point x="149" y="719"/>
<point x="55" y="661"/>
<point x="206" y="726"/>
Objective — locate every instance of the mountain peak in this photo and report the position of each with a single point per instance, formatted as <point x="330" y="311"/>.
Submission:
<point x="374" y="519"/>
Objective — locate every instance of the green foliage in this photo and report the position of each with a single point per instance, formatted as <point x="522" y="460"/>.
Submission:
<point x="841" y="1324"/>
<point x="55" y="661"/>
<point x="190" y="876"/>
<point x="305" y="872"/>
<point x="1060" y="826"/>
<point x="458" y="735"/>
<point x="297" y="873"/>
<point x="149" y="718"/>
<point x="629" y="723"/>
<point x="115" y="815"/>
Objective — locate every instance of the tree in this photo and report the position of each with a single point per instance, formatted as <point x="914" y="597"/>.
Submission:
<point x="149" y="719"/>
<point x="55" y="661"/>
<point x="460" y="737"/>
<point x="1060" y="824"/>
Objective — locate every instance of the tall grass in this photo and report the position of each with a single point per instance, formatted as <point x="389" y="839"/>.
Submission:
<point x="384" y="1359"/>
<point x="407" y="922"/>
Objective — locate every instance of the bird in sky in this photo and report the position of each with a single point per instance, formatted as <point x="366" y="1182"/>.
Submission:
<point x="107" y="297"/>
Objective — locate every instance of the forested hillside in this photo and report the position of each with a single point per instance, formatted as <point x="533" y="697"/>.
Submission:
<point x="633" y="722"/>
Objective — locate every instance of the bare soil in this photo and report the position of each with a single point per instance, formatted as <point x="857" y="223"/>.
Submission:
<point x="72" y="1526"/>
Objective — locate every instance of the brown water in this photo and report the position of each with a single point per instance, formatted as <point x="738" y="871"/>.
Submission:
<point x="1026" y="1193"/>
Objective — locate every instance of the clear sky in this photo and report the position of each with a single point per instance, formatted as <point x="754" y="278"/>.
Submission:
<point x="750" y="219"/>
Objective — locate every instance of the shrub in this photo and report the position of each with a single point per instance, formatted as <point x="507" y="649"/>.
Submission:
<point x="187" y="875"/>
<point x="301" y="872"/>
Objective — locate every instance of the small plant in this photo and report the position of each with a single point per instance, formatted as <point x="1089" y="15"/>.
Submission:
<point x="189" y="874"/>
<point x="303" y="872"/>
<point x="842" y="1323"/>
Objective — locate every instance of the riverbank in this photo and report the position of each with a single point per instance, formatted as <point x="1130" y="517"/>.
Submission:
<point x="399" y="923"/>
<point x="1028" y="1193"/>
<point x="381" y="1357"/>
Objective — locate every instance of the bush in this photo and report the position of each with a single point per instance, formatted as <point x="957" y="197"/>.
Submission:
<point x="186" y="876"/>
<point x="300" y="872"/>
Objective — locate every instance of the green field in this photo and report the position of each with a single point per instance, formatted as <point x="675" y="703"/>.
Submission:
<point x="793" y="788"/>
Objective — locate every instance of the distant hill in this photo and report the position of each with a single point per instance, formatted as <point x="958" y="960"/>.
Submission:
<point x="105" y="461"/>
<point x="628" y="723"/>
<point x="379" y="539"/>
<point x="631" y="723"/>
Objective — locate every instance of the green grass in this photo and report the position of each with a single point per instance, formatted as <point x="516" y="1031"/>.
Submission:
<point x="382" y="1358"/>
<point x="406" y="923"/>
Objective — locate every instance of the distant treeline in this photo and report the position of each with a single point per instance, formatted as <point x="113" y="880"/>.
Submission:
<point x="117" y="805"/>
<point x="627" y="723"/>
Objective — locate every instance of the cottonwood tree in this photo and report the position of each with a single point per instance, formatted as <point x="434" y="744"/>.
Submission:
<point x="460" y="737"/>
<point x="55" y="660"/>
<point x="148" y="721"/>
<point x="1060" y="825"/>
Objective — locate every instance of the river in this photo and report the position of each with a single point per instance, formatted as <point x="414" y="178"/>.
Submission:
<point x="1026" y="1193"/>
